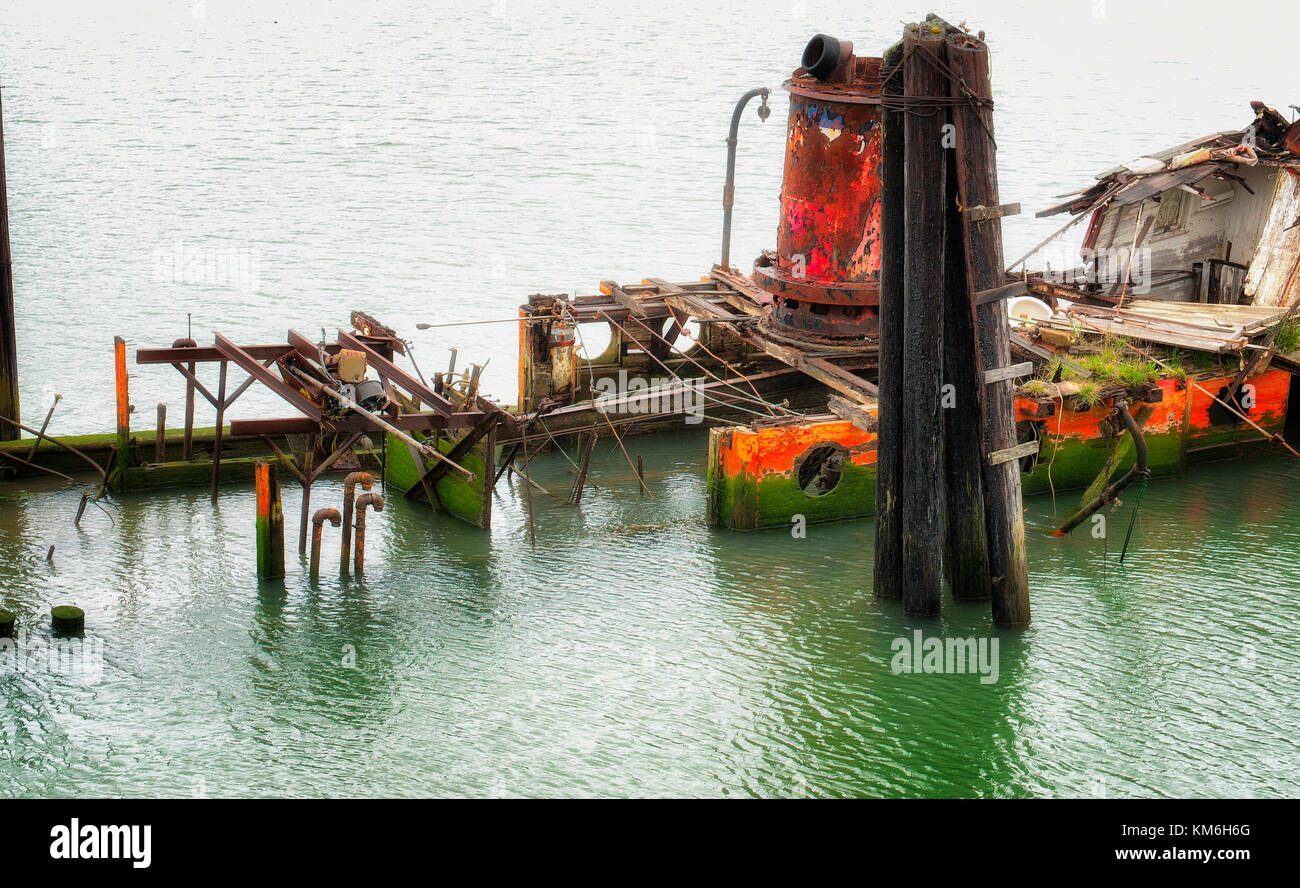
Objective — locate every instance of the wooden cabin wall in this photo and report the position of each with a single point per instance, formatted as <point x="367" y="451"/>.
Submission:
<point x="1226" y="228"/>
<point x="1269" y="280"/>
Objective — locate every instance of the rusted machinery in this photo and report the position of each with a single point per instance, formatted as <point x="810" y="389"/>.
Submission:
<point x="825" y="271"/>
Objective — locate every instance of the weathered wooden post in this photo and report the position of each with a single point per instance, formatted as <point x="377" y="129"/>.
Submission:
<point x="160" y="437"/>
<point x="270" y="521"/>
<point x="966" y="547"/>
<point x="977" y="182"/>
<point x="217" y="434"/>
<point x="123" y="444"/>
<point x="888" y="568"/>
<point x="188" y="451"/>
<point x="923" y="222"/>
<point x="8" y="332"/>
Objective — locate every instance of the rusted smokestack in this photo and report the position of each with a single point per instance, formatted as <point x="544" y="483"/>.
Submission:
<point x="825" y="271"/>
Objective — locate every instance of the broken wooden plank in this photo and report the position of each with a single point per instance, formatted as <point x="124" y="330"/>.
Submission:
<point x="983" y="213"/>
<point x="852" y="411"/>
<point x="1015" y="371"/>
<point x="623" y="298"/>
<point x="997" y="457"/>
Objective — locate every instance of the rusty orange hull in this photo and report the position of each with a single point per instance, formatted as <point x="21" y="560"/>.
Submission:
<point x="825" y="470"/>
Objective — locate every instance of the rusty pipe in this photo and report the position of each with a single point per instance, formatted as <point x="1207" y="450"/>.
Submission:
<point x="729" y="190"/>
<point x="317" y="530"/>
<point x="375" y="501"/>
<point x="367" y="481"/>
<point x="1139" y="470"/>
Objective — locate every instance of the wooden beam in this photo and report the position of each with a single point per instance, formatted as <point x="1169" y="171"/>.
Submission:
<point x="998" y="457"/>
<point x="1002" y="374"/>
<point x="983" y="214"/>
<point x="851" y="411"/>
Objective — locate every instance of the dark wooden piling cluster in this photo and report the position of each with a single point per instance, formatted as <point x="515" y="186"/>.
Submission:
<point x="948" y="484"/>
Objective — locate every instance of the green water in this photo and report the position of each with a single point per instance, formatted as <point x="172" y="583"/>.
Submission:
<point x="635" y="651"/>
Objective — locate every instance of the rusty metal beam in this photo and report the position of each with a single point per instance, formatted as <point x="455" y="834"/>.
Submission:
<point x="207" y="355"/>
<point x="253" y="368"/>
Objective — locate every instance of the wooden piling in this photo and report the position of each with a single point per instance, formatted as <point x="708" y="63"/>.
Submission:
<point x="923" y="221"/>
<point x="187" y="451"/>
<point x="888" y="568"/>
<point x="160" y="437"/>
<point x="966" y="551"/>
<point x="122" y="449"/>
<point x="977" y="182"/>
<point x="270" y="521"/>
<point x="217" y="435"/>
<point x="8" y="332"/>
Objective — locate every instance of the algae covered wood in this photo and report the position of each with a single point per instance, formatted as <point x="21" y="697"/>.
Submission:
<point x="469" y="500"/>
<point x="270" y="521"/>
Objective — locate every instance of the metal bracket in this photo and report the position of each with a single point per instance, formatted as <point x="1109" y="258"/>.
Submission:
<point x="998" y="457"/>
<point x="1015" y="371"/>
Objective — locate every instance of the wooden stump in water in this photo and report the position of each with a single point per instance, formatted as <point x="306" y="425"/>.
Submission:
<point x="67" y="618"/>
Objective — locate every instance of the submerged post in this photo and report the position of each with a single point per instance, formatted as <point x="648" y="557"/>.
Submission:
<point x="188" y="451"/>
<point x="923" y="214"/>
<point x="160" y="438"/>
<point x="270" y="521"/>
<point x="977" y="180"/>
<point x="8" y="332"/>
<point x="123" y="444"/>
<point x="888" y="568"/>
